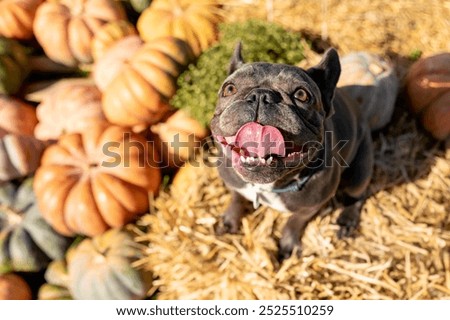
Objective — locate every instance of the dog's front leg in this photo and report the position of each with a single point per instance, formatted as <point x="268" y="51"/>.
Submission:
<point x="232" y="217"/>
<point x="354" y="182"/>
<point x="293" y="231"/>
<point x="350" y="217"/>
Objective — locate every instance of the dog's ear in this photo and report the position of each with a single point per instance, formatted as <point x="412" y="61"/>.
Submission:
<point x="326" y="75"/>
<point x="236" y="60"/>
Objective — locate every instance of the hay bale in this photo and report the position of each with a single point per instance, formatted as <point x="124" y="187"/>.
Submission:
<point x="403" y="27"/>
<point x="400" y="252"/>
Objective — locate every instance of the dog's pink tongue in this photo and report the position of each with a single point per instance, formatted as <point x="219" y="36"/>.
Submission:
<point x="260" y="140"/>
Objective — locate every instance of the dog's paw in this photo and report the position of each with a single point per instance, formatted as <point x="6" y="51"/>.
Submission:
<point x="348" y="221"/>
<point x="228" y="224"/>
<point x="287" y="250"/>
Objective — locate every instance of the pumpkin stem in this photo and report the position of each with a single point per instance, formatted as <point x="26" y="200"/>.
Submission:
<point x="12" y="218"/>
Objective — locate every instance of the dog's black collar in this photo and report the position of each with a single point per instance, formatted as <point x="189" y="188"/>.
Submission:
<point x="297" y="183"/>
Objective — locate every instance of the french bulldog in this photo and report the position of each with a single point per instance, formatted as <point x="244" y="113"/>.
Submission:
<point x="291" y="141"/>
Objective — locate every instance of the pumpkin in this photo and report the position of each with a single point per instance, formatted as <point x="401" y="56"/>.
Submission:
<point x="70" y="106"/>
<point x="65" y="28"/>
<point x="16" y="18"/>
<point x="100" y="268"/>
<point x="19" y="151"/>
<point x="14" y="66"/>
<point x="370" y="81"/>
<point x="428" y="88"/>
<point x="13" y="287"/>
<point x="192" y="21"/>
<point x="27" y="242"/>
<point x="180" y="137"/>
<point x="138" y="79"/>
<point x="91" y="181"/>
<point x="109" y="34"/>
<point x="185" y="177"/>
<point x="140" y="5"/>
<point x="57" y="279"/>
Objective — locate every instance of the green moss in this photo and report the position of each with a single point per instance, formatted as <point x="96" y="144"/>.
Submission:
<point x="262" y="41"/>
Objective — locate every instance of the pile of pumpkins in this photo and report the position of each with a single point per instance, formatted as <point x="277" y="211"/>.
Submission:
<point x="85" y="129"/>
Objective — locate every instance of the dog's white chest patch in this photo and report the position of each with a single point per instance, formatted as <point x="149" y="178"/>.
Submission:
<point x="259" y="194"/>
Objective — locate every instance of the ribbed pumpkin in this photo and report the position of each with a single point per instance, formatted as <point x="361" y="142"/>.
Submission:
<point x="138" y="79"/>
<point x="69" y="107"/>
<point x="27" y="242"/>
<point x="16" y="18"/>
<point x="99" y="179"/>
<point x="180" y="137"/>
<point x="98" y="269"/>
<point x="19" y="151"/>
<point x="13" y="66"/>
<point x="371" y="81"/>
<point x="428" y="87"/>
<point x="13" y="287"/>
<point x="106" y="261"/>
<point x="109" y="34"/>
<point x="65" y="28"/>
<point x="192" y="21"/>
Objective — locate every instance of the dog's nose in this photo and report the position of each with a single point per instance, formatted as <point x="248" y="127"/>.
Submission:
<point x="263" y="97"/>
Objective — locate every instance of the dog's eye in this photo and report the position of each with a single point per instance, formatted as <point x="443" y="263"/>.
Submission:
<point x="301" y="95"/>
<point x="229" y="90"/>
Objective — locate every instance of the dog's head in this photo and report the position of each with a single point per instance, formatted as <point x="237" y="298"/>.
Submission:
<point x="270" y="116"/>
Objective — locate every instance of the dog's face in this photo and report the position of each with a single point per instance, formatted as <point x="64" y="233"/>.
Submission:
<point x="270" y="117"/>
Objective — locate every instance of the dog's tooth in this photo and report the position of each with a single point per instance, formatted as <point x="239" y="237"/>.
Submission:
<point x="269" y="161"/>
<point x="243" y="159"/>
<point x="262" y="161"/>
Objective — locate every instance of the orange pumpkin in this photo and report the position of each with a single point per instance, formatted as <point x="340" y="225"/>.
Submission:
<point x="180" y="137"/>
<point x="13" y="287"/>
<point x="138" y="79"/>
<point x="428" y="87"/>
<point x="16" y="18"/>
<point x="192" y="21"/>
<point x="95" y="180"/>
<point x="109" y="34"/>
<point x="19" y="151"/>
<point x="65" y="28"/>
<point x="70" y="106"/>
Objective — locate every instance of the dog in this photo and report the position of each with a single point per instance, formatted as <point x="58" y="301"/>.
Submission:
<point x="291" y="140"/>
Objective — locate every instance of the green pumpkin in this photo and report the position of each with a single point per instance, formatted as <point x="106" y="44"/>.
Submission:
<point x="27" y="242"/>
<point x="101" y="268"/>
<point x="140" y="5"/>
<point x="370" y="80"/>
<point x="13" y="66"/>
